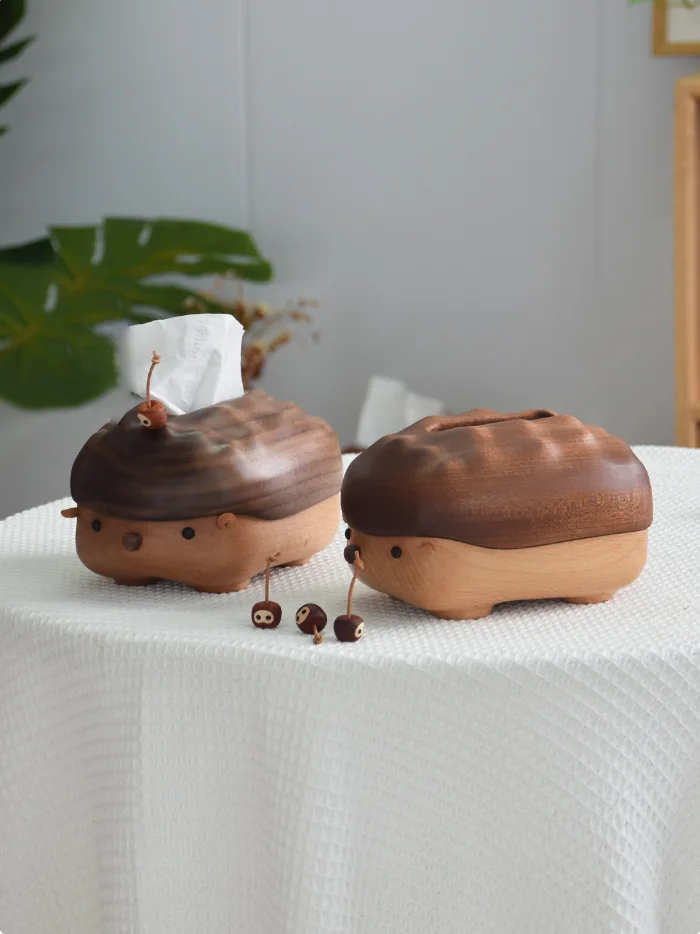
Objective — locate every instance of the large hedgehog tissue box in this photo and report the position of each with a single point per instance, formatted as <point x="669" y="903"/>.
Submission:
<point x="210" y="496"/>
<point x="457" y="513"/>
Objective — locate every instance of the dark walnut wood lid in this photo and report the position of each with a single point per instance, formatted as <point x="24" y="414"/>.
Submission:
<point x="498" y="481"/>
<point x="252" y="456"/>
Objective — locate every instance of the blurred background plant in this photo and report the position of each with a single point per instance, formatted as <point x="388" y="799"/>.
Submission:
<point x="61" y="295"/>
<point x="266" y="329"/>
<point x="11" y="15"/>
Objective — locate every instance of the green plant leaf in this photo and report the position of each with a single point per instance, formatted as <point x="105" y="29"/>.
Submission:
<point x="140" y="249"/>
<point x="50" y="354"/>
<point x="9" y="90"/>
<point x="172" y="298"/>
<point x="75" y="246"/>
<point x="168" y="237"/>
<point x="35" y="252"/>
<point x="152" y="248"/>
<point x="11" y="14"/>
<point x="90" y="308"/>
<point x="54" y="291"/>
<point x="125" y="247"/>
<point x="12" y="51"/>
<point x="253" y="271"/>
<point x="27" y="288"/>
<point x="11" y="320"/>
<point x="56" y="368"/>
<point x="144" y="246"/>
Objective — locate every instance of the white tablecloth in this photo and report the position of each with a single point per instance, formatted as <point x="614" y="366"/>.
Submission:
<point x="165" y="768"/>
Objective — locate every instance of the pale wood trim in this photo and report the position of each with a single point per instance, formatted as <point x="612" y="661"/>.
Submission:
<point x="686" y="258"/>
<point x="659" y="43"/>
<point x="658" y="28"/>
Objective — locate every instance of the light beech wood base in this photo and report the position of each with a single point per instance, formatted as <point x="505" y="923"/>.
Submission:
<point x="456" y="581"/>
<point x="135" y="581"/>
<point x="222" y="556"/>
<point x="595" y="598"/>
<point x="223" y="588"/>
<point x="471" y="612"/>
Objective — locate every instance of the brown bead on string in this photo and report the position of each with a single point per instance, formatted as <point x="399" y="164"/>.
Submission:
<point x="350" y="627"/>
<point x="311" y="619"/>
<point x="152" y="413"/>
<point x="267" y="614"/>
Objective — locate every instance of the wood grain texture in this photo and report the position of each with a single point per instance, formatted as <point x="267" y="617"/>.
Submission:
<point x="221" y="556"/>
<point x="498" y="481"/>
<point x="686" y="258"/>
<point x="253" y="456"/>
<point x="457" y="581"/>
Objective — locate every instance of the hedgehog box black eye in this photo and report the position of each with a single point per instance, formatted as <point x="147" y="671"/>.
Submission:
<point x="188" y="532"/>
<point x="396" y="552"/>
<point x="96" y="525"/>
<point x="348" y="534"/>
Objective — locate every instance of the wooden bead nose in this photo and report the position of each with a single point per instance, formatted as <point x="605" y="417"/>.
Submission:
<point x="132" y="541"/>
<point x="350" y="552"/>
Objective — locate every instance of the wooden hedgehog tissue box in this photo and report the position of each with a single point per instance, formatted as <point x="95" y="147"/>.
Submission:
<point x="455" y="514"/>
<point x="206" y="498"/>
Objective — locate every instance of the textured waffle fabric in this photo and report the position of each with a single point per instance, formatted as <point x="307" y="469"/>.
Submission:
<point x="167" y="767"/>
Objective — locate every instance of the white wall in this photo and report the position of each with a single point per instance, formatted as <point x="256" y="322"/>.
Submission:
<point x="478" y="194"/>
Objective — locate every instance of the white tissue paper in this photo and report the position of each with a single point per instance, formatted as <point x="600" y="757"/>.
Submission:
<point x="389" y="406"/>
<point x="200" y="360"/>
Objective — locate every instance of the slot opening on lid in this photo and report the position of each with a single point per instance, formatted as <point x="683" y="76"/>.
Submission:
<point x="477" y="419"/>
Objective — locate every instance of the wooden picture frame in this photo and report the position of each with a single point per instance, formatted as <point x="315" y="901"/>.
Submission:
<point x="676" y="27"/>
<point x="686" y="205"/>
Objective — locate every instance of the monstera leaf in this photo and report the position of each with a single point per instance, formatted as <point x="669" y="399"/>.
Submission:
<point x="11" y="14"/>
<point x="55" y="293"/>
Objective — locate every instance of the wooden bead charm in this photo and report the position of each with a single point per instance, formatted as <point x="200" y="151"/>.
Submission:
<point x="153" y="415"/>
<point x="311" y="619"/>
<point x="350" y="627"/>
<point x="267" y="614"/>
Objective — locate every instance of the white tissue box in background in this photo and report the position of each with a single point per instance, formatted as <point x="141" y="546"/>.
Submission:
<point x="200" y="360"/>
<point x="389" y="406"/>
